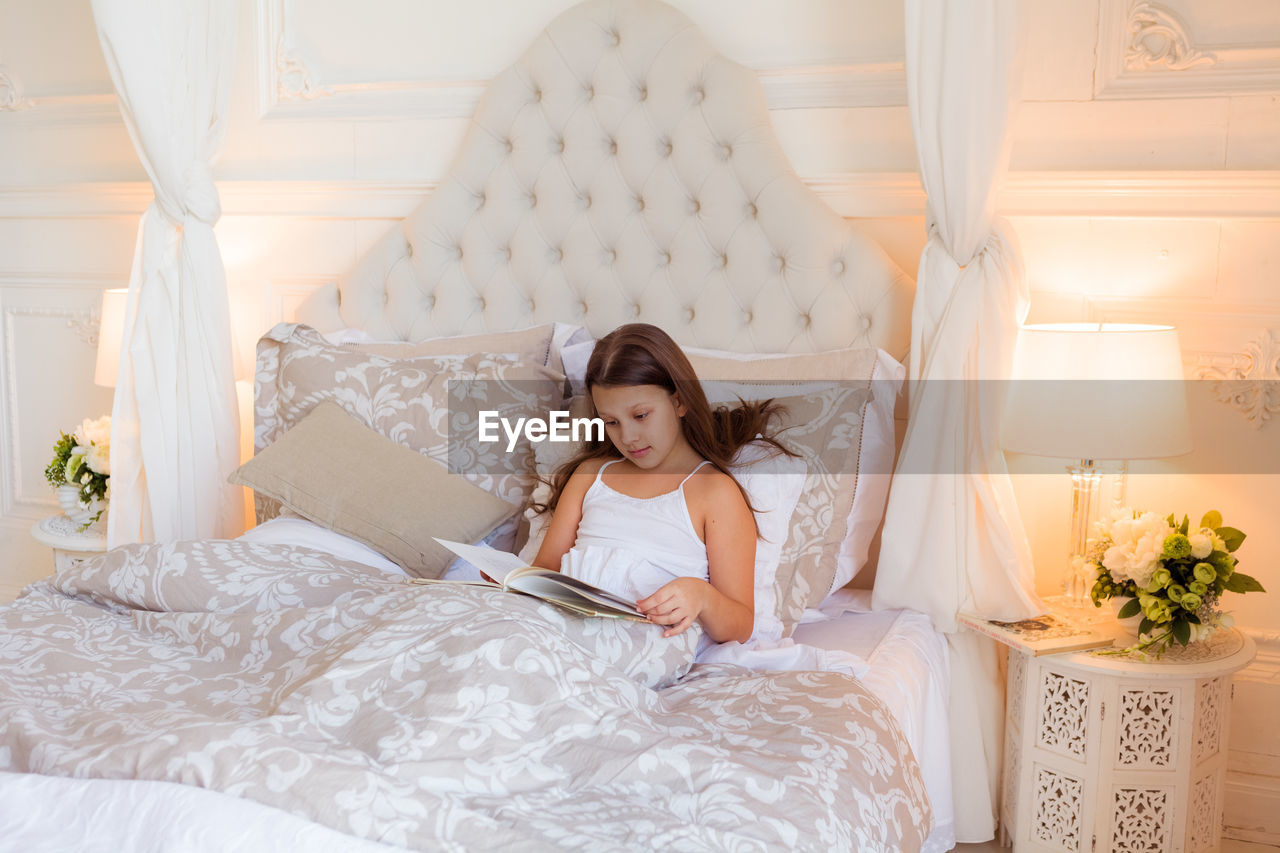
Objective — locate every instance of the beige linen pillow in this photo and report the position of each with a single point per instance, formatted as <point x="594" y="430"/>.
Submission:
<point x="331" y="469"/>
<point x="418" y="398"/>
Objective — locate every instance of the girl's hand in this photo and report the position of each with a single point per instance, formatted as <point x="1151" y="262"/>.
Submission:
<point x="676" y="604"/>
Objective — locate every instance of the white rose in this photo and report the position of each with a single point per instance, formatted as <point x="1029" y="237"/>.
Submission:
<point x="1201" y="543"/>
<point x="94" y="432"/>
<point x="1136" y="547"/>
<point x="99" y="460"/>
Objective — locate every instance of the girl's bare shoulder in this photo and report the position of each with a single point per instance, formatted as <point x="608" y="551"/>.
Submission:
<point x="710" y="485"/>
<point x="590" y="467"/>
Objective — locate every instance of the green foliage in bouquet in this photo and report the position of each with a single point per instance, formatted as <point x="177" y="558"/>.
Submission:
<point x="83" y="465"/>
<point x="1172" y="576"/>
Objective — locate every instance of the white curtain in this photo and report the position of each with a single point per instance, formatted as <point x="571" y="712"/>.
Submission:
<point x="174" y="430"/>
<point x="953" y="539"/>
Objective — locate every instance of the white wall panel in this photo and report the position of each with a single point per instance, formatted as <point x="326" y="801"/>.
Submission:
<point x="1250" y="265"/>
<point x="52" y="47"/>
<point x="1253" y="141"/>
<point x="49" y="347"/>
<point x="1125" y="136"/>
<point x="1054" y="66"/>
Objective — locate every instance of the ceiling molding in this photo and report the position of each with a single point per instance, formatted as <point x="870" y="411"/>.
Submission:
<point x="1145" y="50"/>
<point x="288" y="88"/>
<point x="1183" y="195"/>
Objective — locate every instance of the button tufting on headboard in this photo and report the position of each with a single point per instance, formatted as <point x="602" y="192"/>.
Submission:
<point x="622" y="136"/>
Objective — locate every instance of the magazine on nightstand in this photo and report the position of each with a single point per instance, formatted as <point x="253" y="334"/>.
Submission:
<point x="1052" y="633"/>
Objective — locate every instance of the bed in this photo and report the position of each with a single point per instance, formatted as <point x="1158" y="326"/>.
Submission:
<point x="287" y="690"/>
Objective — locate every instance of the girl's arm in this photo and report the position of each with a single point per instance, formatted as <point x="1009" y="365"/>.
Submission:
<point x="563" y="530"/>
<point x="726" y="605"/>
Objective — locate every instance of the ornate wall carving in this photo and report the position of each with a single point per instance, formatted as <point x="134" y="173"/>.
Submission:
<point x="1248" y="381"/>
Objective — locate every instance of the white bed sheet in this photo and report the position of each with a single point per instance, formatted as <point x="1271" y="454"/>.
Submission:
<point x="910" y="672"/>
<point x="44" y="814"/>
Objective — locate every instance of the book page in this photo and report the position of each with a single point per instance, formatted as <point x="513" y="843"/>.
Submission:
<point x="495" y="564"/>
<point x="552" y="588"/>
<point x="579" y="585"/>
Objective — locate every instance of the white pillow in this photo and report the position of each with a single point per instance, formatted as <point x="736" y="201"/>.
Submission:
<point x="773" y="481"/>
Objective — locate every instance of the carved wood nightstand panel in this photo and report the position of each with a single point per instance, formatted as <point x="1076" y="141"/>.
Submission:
<point x="1147" y="723"/>
<point x="1063" y="720"/>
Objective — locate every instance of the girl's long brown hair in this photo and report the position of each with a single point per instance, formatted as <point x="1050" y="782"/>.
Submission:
<point x="643" y="354"/>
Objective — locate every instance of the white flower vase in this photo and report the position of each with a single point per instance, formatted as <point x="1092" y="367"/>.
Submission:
<point x="81" y="513"/>
<point x="1127" y="628"/>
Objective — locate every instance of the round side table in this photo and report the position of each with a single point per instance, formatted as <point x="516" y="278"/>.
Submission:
<point x="70" y="544"/>
<point x="1113" y="753"/>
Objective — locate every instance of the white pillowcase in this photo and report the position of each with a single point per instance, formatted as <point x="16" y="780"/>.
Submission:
<point x="773" y="481"/>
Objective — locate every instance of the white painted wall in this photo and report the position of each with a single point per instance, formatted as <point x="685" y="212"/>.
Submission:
<point x="1140" y="193"/>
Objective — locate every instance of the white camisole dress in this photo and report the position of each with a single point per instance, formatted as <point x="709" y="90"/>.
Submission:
<point x="634" y="546"/>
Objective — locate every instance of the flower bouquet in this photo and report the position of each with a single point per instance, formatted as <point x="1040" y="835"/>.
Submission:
<point x="81" y="469"/>
<point x="1173" y="576"/>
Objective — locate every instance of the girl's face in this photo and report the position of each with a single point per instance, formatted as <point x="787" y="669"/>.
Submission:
<point x="642" y="421"/>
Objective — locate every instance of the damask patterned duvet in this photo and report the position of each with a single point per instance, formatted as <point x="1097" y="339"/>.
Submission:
<point x="436" y="717"/>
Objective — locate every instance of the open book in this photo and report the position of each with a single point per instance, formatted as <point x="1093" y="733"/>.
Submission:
<point x="511" y="574"/>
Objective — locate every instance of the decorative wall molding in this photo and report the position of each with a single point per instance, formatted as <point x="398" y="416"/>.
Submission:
<point x="1146" y="51"/>
<point x="86" y="325"/>
<point x="293" y="78"/>
<point x="1248" y="381"/>
<point x="289" y="89"/>
<point x="1266" y="666"/>
<point x="14" y="502"/>
<point x="1158" y="39"/>
<point x="55" y="110"/>
<point x="1183" y="195"/>
<point x="11" y="98"/>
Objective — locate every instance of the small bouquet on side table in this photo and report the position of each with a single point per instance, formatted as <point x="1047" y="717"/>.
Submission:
<point x="1173" y="576"/>
<point x="81" y="471"/>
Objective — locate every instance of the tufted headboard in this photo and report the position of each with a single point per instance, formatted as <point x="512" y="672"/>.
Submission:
<point x="623" y="170"/>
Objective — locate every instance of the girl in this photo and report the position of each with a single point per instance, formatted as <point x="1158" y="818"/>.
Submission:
<point x="652" y="513"/>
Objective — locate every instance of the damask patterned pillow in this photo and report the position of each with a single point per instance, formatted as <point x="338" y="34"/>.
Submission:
<point x="838" y="403"/>
<point x="410" y="398"/>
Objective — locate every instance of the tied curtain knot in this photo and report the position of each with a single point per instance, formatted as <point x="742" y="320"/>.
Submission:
<point x="199" y="198"/>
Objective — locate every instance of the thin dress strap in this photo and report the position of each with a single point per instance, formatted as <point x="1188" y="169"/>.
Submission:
<point x="600" y="470"/>
<point x="691" y="473"/>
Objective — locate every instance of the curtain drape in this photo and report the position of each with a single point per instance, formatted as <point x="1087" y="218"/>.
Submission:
<point x="953" y="539"/>
<point x="174" y="429"/>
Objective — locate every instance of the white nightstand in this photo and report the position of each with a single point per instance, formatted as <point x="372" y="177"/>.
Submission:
<point x="1110" y="753"/>
<point x="70" y="544"/>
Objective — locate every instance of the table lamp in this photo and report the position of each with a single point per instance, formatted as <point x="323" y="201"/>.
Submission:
<point x="110" y="336"/>
<point x="1089" y="392"/>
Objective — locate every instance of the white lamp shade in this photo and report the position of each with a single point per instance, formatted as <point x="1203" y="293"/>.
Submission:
<point x="110" y="336"/>
<point x="1097" y="391"/>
